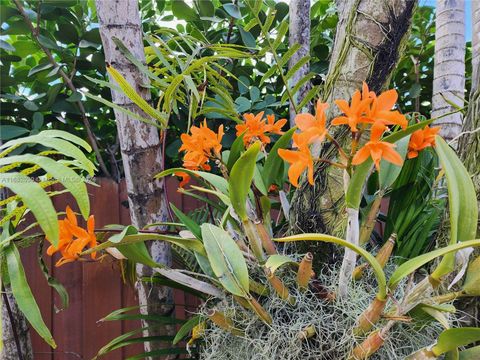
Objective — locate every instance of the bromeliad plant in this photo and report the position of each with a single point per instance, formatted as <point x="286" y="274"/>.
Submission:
<point x="263" y="296"/>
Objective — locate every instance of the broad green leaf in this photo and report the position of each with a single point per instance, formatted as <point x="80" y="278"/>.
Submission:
<point x="226" y="260"/>
<point x="36" y="199"/>
<point x="186" y="328"/>
<point x="235" y="151"/>
<point x="472" y="353"/>
<point x="471" y="285"/>
<point x="259" y="182"/>
<point x="276" y="261"/>
<point x="377" y="268"/>
<point x="388" y="171"/>
<point x="413" y="264"/>
<point x="247" y="38"/>
<point x="273" y="169"/>
<point x="23" y="295"/>
<point x="127" y="230"/>
<point x="188" y="222"/>
<point x="138" y="253"/>
<point x="182" y="11"/>
<point x="452" y="339"/>
<point x="462" y="202"/>
<point x="240" y="180"/>
<point x="67" y="177"/>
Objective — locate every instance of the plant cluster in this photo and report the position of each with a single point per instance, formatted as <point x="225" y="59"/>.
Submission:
<point x="242" y="259"/>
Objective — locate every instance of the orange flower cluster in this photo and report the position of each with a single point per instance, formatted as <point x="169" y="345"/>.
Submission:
<point x="421" y="139"/>
<point x="73" y="239"/>
<point x="199" y="147"/>
<point x="312" y="128"/>
<point x="256" y="128"/>
<point x="367" y="108"/>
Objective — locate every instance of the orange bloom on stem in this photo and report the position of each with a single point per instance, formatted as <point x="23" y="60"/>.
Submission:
<point x="199" y="147"/>
<point x="421" y="139"/>
<point x="73" y="239"/>
<point x="354" y="113"/>
<point x="254" y="128"/>
<point x="380" y="112"/>
<point x="275" y="127"/>
<point x="299" y="160"/>
<point x="377" y="150"/>
<point x="314" y="126"/>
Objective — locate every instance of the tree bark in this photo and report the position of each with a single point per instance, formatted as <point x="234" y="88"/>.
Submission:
<point x="16" y="334"/>
<point x="299" y="33"/>
<point x="449" y="67"/>
<point x="370" y="36"/>
<point x="475" y="44"/>
<point x="140" y="146"/>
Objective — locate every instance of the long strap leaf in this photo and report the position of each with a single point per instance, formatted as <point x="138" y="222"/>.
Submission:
<point x="22" y="293"/>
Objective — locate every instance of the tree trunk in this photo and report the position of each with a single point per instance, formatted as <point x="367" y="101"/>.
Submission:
<point x="299" y="33"/>
<point x="449" y="68"/>
<point x="140" y="147"/>
<point x="475" y="44"/>
<point x="370" y="36"/>
<point x="16" y="338"/>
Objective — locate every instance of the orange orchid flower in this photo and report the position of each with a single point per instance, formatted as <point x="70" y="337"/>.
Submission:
<point x="354" y="113"/>
<point x="254" y="128"/>
<point x="380" y="112"/>
<point x="377" y="150"/>
<point x="202" y="144"/>
<point x="421" y="139"/>
<point x="73" y="239"/>
<point x="314" y="126"/>
<point x="299" y="160"/>
<point x="275" y="127"/>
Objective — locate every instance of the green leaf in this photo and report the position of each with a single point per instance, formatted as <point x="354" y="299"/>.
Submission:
<point x="226" y="260"/>
<point x="232" y="10"/>
<point x="240" y="180"/>
<point x="235" y="151"/>
<point x="127" y="230"/>
<point x="413" y="264"/>
<point x="258" y="181"/>
<point x="76" y="96"/>
<point x="472" y="353"/>
<point x="186" y="328"/>
<point x="451" y="339"/>
<point x="36" y="199"/>
<point x="23" y="295"/>
<point x="39" y="67"/>
<point x="273" y="169"/>
<point x="11" y="131"/>
<point x="188" y="222"/>
<point x="67" y="177"/>
<point x="276" y="261"/>
<point x="388" y="171"/>
<point x="471" y="285"/>
<point x="377" y="268"/>
<point x="247" y="38"/>
<point x="47" y="42"/>
<point x="462" y="202"/>
<point x="182" y="11"/>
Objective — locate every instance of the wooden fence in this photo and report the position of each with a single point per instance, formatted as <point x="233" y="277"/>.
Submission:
<point x="95" y="287"/>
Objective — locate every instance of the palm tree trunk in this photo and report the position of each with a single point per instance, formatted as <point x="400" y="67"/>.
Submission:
<point x="449" y="67"/>
<point x="370" y="36"/>
<point x="140" y="147"/>
<point x="299" y="33"/>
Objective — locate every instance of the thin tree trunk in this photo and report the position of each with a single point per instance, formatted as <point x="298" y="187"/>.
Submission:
<point x="299" y="33"/>
<point x="16" y="339"/>
<point x="140" y="146"/>
<point x="449" y="67"/>
<point x="370" y="37"/>
<point x="475" y="44"/>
